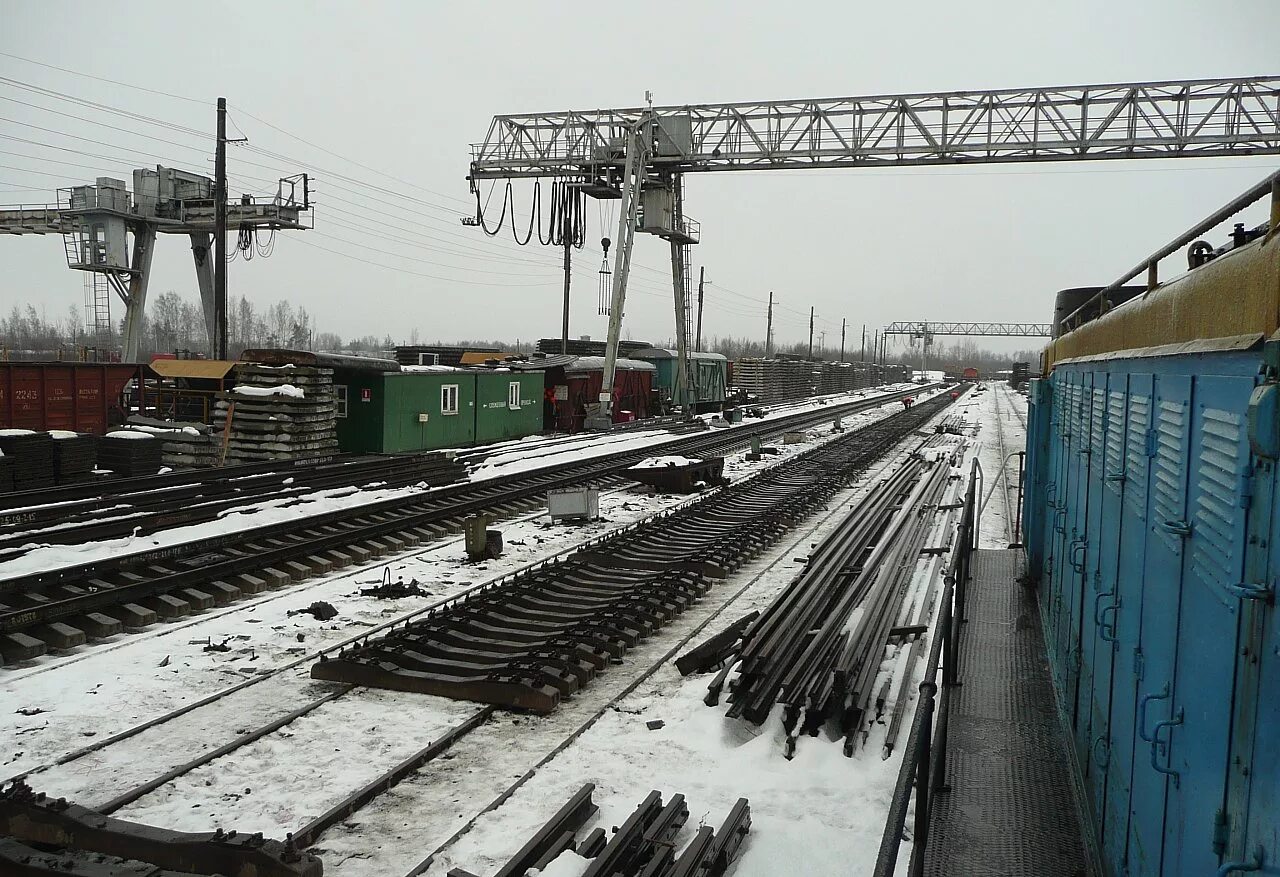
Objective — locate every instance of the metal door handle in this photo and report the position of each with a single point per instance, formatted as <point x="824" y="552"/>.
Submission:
<point x="1077" y="546"/>
<point x="1142" y="711"/>
<point x="1253" y="864"/>
<point x="1097" y="616"/>
<point x="1106" y="751"/>
<point x="1177" y="528"/>
<point x="1115" y="476"/>
<point x="1161" y="747"/>
<point x="1107" y="632"/>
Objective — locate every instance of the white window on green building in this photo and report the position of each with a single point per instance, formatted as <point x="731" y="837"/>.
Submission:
<point x="449" y="399"/>
<point x="513" y="395"/>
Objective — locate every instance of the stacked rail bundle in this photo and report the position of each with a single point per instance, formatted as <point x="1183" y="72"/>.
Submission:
<point x="777" y="380"/>
<point x="129" y="453"/>
<point x="818" y="648"/>
<point x="643" y="845"/>
<point x="842" y="377"/>
<point x="527" y="642"/>
<point x="30" y="456"/>
<point x="280" y="413"/>
<point x="74" y="456"/>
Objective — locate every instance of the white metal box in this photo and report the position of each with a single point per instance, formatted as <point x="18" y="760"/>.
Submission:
<point x="574" y="503"/>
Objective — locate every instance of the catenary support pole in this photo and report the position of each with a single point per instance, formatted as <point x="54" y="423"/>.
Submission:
<point x="842" y="325"/>
<point x="768" y="330"/>
<point x="702" y="279"/>
<point x="220" y="232"/>
<point x="811" y="332"/>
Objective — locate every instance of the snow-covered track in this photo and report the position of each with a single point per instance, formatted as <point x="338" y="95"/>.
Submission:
<point x="61" y="608"/>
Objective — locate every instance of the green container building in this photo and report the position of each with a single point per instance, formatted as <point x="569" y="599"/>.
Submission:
<point x="396" y="412"/>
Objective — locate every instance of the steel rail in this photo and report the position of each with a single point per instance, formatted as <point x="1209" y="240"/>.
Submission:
<point x="381" y="518"/>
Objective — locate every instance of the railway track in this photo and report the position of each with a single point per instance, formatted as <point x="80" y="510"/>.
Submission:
<point x="840" y="460"/>
<point x="65" y="607"/>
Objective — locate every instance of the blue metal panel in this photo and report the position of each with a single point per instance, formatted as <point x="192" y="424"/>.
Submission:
<point x="1207" y="636"/>
<point x="1129" y="672"/>
<point x="1168" y="443"/>
<point x="1087" y="562"/>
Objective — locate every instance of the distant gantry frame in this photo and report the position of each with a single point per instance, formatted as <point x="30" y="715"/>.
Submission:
<point x="639" y="155"/>
<point x="1005" y="330"/>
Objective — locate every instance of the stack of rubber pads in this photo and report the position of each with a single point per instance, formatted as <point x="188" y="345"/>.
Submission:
<point x="30" y="458"/>
<point x="74" y="456"/>
<point x="643" y="846"/>
<point x="130" y="457"/>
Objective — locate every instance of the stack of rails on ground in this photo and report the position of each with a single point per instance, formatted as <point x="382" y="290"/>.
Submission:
<point x="292" y="612"/>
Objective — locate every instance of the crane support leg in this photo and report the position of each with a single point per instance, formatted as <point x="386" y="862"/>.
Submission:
<point x="680" y="390"/>
<point x="600" y="416"/>
<point x="144" y="247"/>
<point x="202" y="252"/>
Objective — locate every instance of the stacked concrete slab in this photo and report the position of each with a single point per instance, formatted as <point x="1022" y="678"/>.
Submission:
<point x="777" y="380"/>
<point x="280" y="413"/>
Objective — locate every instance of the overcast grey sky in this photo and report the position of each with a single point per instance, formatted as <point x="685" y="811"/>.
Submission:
<point x="405" y="87"/>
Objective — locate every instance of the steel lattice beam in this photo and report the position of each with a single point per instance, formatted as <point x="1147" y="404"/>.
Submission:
<point x="1201" y="117"/>
<point x="1008" y="330"/>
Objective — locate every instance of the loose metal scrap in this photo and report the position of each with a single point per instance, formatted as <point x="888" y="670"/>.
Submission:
<point x="28" y="817"/>
<point x="643" y="846"/>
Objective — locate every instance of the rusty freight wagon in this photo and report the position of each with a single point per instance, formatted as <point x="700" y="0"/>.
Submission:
<point x="79" y="396"/>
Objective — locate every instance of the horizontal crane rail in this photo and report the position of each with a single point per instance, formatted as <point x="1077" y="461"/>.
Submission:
<point x="1188" y="118"/>
<point x="1007" y="330"/>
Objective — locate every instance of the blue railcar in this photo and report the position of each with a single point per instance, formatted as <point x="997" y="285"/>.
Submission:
<point x="1150" y="524"/>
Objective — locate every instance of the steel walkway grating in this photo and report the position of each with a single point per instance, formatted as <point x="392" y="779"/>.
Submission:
<point x="1010" y="809"/>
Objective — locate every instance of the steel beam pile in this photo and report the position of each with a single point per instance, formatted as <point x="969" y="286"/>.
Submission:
<point x="643" y="846"/>
<point x="529" y="642"/>
<point x="817" y="649"/>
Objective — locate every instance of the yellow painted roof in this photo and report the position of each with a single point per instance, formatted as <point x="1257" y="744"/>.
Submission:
<point x="208" y="369"/>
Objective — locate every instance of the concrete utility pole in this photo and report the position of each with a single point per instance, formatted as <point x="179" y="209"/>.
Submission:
<point x="220" y="233"/>
<point x="768" y="332"/>
<point x="842" y="322"/>
<point x="811" y="332"/>
<point x="702" y="279"/>
<point x="862" y="351"/>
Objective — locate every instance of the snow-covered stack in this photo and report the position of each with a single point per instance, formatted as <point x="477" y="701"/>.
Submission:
<point x="74" y="455"/>
<point x="183" y="445"/>
<point x="30" y="457"/>
<point x="281" y="413"/>
<point x="129" y="453"/>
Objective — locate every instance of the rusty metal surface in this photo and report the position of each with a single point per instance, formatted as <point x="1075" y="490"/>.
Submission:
<point x="33" y="818"/>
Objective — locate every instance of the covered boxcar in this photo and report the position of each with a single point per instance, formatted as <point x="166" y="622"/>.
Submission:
<point x="710" y="373"/>
<point x="1153" y="535"/>
<point x="633" y="383"/>
<point x="78" y="396"/>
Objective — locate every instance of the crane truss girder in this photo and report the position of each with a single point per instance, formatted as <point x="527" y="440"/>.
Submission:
<point x="1203" y="117"/>
<point x="1007" y="330"/>
<point x="196" y="218"/>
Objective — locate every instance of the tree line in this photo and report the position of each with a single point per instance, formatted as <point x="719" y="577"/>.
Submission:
<point x="174" y="324"/>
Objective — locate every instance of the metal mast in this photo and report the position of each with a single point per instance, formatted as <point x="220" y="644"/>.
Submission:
<point x="220" y="235"/>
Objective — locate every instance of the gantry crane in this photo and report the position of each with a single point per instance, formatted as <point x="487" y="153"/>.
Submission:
<point x="640" y="155"/>
<point x="96" y="222"/>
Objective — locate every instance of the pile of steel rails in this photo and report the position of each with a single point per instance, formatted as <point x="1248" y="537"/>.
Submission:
<point x="541" y="636"/>
<point x="65" y="607"/>
<point x="643" y="846"/>
<point x="818" y="649"/>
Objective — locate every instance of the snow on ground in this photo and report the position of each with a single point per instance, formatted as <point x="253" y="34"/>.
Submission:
<point x="506" y="459"/>
<point x="281" y="390"/>
<point x="63" y="702"/>
<point x="1001" y="417"/>
<point x="819" y="808"/>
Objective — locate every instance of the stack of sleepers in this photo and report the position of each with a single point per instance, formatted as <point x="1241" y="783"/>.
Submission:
<point x="74" y="455"/>
<point x="30" y="456"/>
<point x="129" y="453"/>
<point x="280" y="413"/>
<point x="184" y="445"/>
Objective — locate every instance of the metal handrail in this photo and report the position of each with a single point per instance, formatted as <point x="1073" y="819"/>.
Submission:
<point x="924" y="760"/>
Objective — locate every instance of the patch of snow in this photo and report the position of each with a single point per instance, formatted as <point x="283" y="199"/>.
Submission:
<point x="130" y="434"/>
<point x="660" y="462"/>
<point x="63" y="434"/>
<point x="7" y="433"/>
<point x="282" y="390"/>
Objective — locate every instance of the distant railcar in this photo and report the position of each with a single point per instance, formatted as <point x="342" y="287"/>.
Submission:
<point x="969" y="374"/>
<point x="1153" y="535"/>
<point x="710" y="373"/>
<point x="79" y="396"/>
